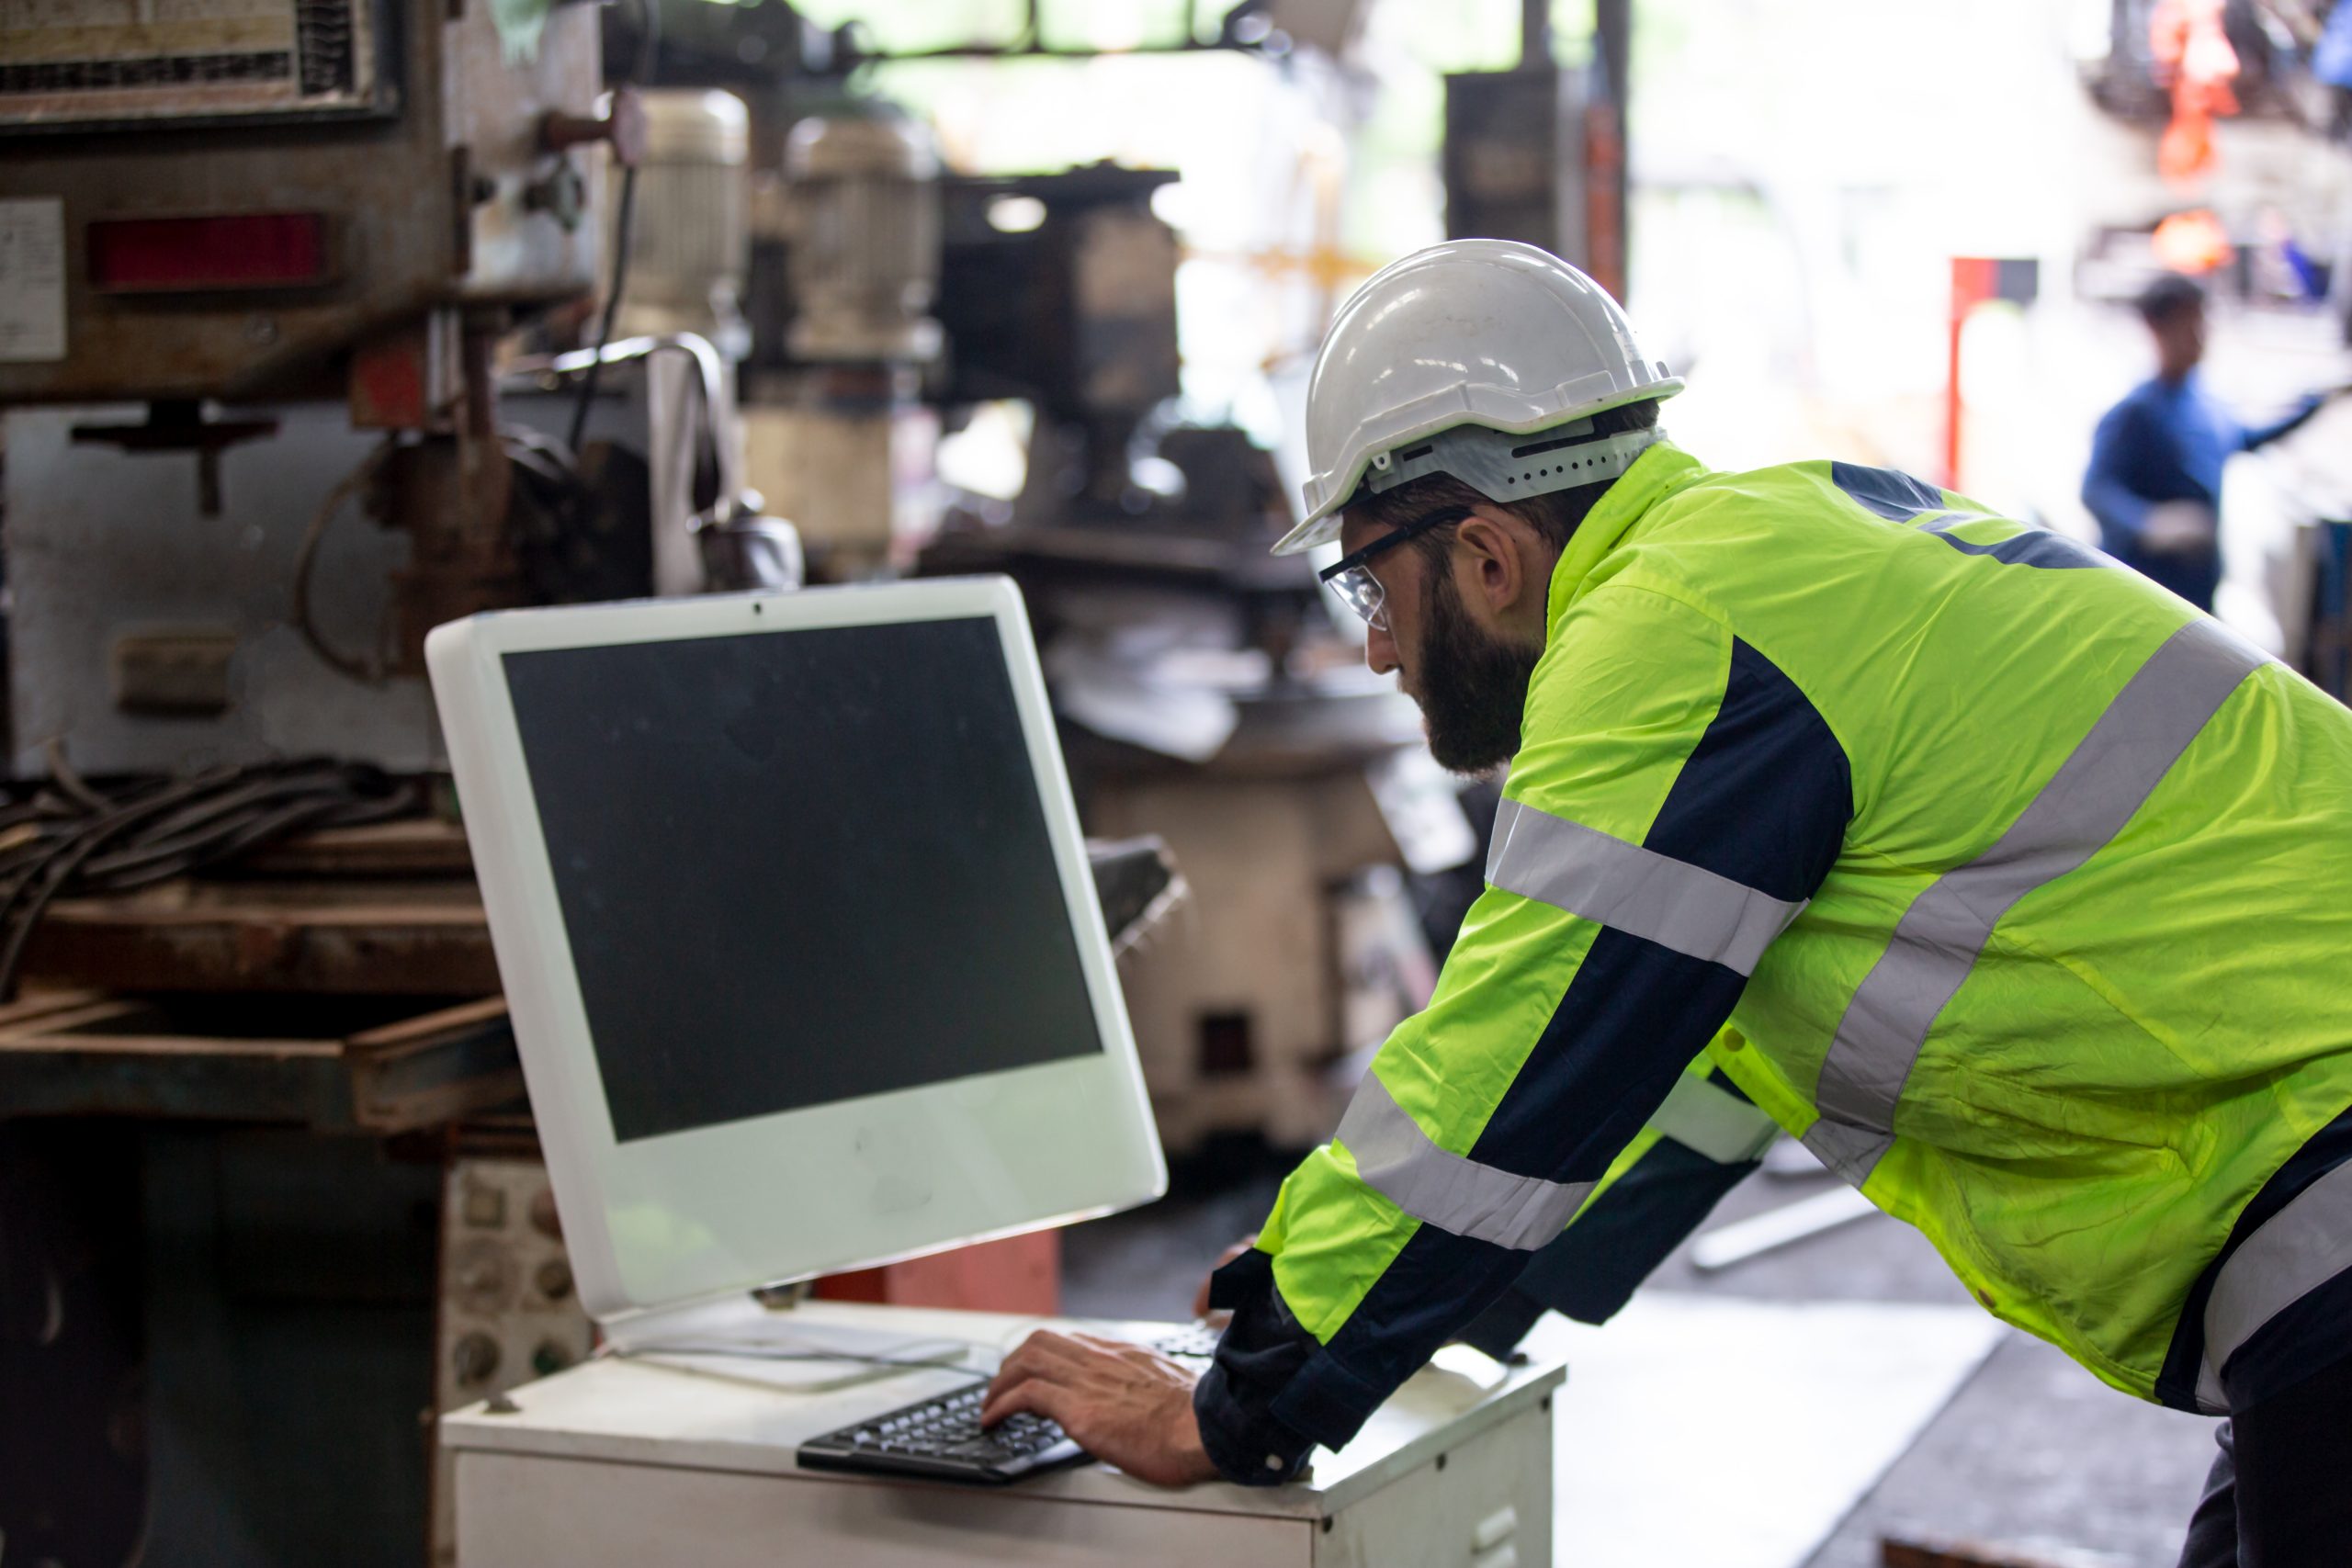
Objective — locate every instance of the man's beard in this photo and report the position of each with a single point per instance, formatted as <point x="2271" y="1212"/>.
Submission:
<point x="1472" y="688"/>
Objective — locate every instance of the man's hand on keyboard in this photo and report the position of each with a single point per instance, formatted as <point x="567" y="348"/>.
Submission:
<point x="1125" y="1404"/>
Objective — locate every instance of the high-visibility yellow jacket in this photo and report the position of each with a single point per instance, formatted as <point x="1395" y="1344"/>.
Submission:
<point x="2024" y="889"/>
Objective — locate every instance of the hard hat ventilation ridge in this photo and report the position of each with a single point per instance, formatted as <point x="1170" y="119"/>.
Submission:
<point x="1488" y="462"/>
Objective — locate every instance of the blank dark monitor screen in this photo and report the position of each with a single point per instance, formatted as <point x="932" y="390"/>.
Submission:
<point x="799" y="867"/>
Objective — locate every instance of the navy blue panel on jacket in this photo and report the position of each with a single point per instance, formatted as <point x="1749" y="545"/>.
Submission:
<point x="1767" y="793"/>
<point x="2035" y="546"/>
<point x="1892" y="494"/>
<point x="1629" y="1022"/>
<point x="1899" y="498"/>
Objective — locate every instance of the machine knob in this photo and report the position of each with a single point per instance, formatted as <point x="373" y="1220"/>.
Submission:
<point x="474" y="1358"/>
<point x="482" y="1276"/>
<point x="561" y="193"/>
<point x="554" y="1278"/>
<point x="623" y="125"/>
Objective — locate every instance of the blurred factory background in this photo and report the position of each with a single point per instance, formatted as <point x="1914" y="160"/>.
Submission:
<point x="323" y="321"/>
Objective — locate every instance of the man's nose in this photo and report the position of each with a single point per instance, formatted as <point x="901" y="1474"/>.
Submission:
<point x="1380" y="649"/>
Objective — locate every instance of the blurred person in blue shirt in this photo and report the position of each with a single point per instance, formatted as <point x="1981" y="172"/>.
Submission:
<point x="2154" y="480"/>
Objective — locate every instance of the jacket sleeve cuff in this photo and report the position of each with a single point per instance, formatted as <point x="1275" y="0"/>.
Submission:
<point x="1496" y="1331"/>
<point x="1261" y="1355"/>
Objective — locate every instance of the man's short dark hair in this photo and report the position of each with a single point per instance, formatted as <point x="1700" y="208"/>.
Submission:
<point x="2168" y="299"/>
<point x="1554" y="516"/>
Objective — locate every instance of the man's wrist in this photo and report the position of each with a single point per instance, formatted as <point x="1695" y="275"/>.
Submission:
<point x="1192" y="1453"/>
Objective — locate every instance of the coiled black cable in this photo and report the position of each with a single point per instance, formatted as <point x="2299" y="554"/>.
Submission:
<point x="68" y="838"/>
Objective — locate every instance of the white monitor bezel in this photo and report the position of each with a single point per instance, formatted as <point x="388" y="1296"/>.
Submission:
<point x="1065" y="1139"/>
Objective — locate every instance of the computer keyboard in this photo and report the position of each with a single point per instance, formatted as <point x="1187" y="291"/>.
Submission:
<point x="941" y="1438"/>
<point x="1194" y="1339"/>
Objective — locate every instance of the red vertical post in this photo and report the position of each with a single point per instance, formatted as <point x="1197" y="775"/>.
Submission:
<point x="1974" y="279"/>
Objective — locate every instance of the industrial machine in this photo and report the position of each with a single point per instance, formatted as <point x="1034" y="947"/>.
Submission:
<point x="314" y="285"/>
<point x="264" y="274"/>
<point x="325" y="321"/>
<point x="273" y="254"/>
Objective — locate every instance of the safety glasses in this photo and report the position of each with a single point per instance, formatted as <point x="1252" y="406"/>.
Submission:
<point x="1350" y="577"/>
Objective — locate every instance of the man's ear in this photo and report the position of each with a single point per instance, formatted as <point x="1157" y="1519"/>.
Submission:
<point x="1493" y="554"/>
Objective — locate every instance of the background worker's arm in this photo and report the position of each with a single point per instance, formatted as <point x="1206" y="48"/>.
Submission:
<point x="2124" y="437"/>
<point x="1704" y="1141"/>
<point x="2261" y="435"/>
<point x="1674" y="803"/>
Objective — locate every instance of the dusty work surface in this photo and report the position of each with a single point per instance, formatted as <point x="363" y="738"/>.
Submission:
<point x="2031" y="1450"/>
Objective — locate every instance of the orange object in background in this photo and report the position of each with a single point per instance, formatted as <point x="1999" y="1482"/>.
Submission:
<point x="1019" y="1274"/>
<point x="1977" y="281"/>
<point x="2189" y="45"/>
<point x="2192" y="242"/>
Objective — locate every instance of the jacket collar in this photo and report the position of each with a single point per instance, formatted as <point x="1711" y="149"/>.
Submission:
<point x="1654" y="475"/>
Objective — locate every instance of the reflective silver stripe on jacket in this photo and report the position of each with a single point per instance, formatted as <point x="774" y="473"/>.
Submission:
<point x="2294" y="1252"/>
<point x="1708" y="1119"/>
<point x="2086" y="802"/>
<point x="1631" y="889"/>
<point x="1398" y="1160"/>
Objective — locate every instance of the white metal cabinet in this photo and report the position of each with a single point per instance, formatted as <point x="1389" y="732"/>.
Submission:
<point x="619" y="1463"/>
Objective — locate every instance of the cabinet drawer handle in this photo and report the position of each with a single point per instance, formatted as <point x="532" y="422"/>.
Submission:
<point x="1494" y="1530"/>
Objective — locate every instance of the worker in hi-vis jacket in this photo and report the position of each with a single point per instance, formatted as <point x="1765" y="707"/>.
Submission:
<point x="2014" y="886"/>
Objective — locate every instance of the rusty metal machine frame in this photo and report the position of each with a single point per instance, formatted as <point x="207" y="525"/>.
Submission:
<point x="455" y="203"/>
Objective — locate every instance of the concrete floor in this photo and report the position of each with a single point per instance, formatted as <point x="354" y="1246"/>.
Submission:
<point x="2034" y="1452"/>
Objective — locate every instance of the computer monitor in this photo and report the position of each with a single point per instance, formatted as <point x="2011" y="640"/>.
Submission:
<point x="798" y="932"/>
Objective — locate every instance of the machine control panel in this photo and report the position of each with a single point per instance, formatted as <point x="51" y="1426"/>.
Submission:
<point x="507" y="1312"/>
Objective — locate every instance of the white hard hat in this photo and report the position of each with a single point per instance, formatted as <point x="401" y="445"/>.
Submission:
<point x="1458" y="342"/>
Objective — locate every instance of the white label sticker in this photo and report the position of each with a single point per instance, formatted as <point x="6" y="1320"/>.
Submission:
<point x="32" y="280"/>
